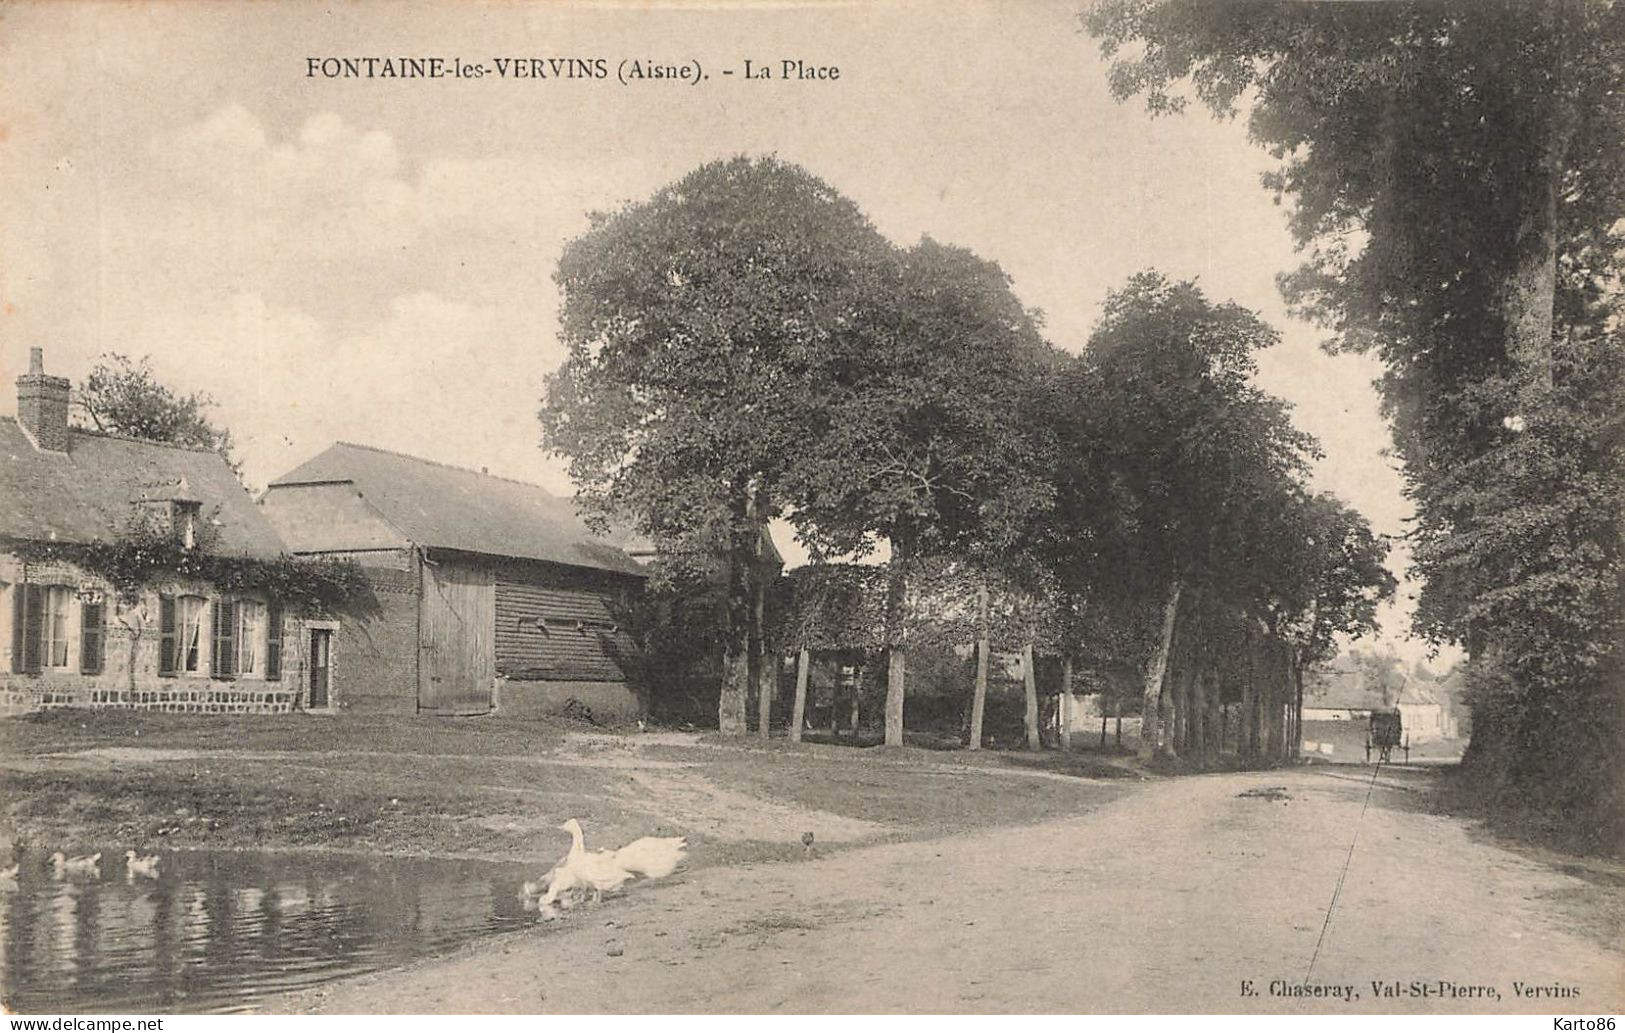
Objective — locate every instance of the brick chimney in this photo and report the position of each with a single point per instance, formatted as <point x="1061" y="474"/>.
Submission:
<point x="42" y="405"/>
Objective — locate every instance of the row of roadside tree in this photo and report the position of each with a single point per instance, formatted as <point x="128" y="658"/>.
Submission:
<point x="745" y="347"/>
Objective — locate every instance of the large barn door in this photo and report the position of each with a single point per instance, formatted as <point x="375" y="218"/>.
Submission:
<point x="457" y="667"/>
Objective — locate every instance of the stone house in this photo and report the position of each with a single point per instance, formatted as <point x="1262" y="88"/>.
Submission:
<point x="492" y="594"/>
<point x="176" y="644"/>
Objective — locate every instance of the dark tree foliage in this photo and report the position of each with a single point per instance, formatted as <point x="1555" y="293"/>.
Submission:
<point x="1455" y="181"/>
<point x="931" y="442"/>
<point x="124" y="397"/>
<point x="1180" y="499"/>
<point x="707" y="329"/>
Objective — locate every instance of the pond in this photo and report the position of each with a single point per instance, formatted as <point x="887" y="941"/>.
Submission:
<point x="220" y="931"/>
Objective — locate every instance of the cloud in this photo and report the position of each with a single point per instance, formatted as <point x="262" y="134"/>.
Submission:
<point x="436" y="377"/>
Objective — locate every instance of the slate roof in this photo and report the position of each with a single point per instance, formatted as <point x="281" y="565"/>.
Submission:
<point x="1339" y="689"/>
<point x="1417" y="694"/>
<point x="90" y="493"/>
<point x="448" y="507"/>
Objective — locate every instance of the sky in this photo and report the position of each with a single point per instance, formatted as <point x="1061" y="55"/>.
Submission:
<point x="370" y="260"/>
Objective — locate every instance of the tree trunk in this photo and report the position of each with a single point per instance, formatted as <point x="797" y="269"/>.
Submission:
<point x="978" y="701"/>
<point x="1297" y="711"/>
<point x="1029" y="681"/>
<point x="1165" y="710"/>
<point x="857" y="696"/>
<point x="1117" y="712"/>
<point x="1530" y="293"/>
<point x="735" y="686"/>
<point x="767" y="666"/>
<point x="1214" y="718"/>
<point x="1246" y="742"/>
<point x="1178" y="684"/>
<point x="764" y="676"/>
<point x="735" y="656"/>
<point x="798" y="711"/>
<point x="1199" y="745"/>
<point x="1155" y="671"/>
<point x="1064" y="711"/>
<point x="897" y="653"/>
<point x="1272" y="706"/>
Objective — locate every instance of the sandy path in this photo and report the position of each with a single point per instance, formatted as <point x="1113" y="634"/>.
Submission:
<point x="1166" y="900"/>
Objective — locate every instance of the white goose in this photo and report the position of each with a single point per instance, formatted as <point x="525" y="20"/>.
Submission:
<point x="607" y="870"/>
<point x="88" y="867"/>
<point x="145" y="866"/>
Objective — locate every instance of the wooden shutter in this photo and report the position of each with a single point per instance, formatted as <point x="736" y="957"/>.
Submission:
<point x="19" y="621"/>
<point x="168" y="638"/>
<point x="25" y="628"/>
<point x="273" y="640"/>
<point x="223" y="651"/>
<point x="92" y="636"/>
<point x="33" y="627"/>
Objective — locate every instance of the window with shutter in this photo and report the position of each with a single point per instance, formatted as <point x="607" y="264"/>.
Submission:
<point x="92" y="636"/>
<point x="189" y="625"/>
<point x="168" y="641"/>
<point x="250" y="629"/>
<point x="54" y="626"/>
<point x="223" y="645"/>
<point x="273" y="641"/>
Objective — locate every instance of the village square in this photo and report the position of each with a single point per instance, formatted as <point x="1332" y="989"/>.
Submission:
<point x="1133" y="529"/>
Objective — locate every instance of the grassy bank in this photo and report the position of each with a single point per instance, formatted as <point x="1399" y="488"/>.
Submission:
<point x="490" y="787"/>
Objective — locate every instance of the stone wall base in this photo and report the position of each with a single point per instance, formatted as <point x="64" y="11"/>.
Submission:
<point x="27" y="696"/>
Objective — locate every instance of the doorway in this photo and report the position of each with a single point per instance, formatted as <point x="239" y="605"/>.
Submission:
<point x="321" y="668"/>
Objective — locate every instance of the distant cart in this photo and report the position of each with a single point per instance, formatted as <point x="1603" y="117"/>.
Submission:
<point x="1387" y="731"/>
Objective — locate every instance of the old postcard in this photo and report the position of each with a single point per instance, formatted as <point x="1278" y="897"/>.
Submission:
<point x="1082" y="506"/>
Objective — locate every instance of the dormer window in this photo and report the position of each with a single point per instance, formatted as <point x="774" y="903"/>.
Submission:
<point x="184" y="515"/>
<point x="167" y="508"/>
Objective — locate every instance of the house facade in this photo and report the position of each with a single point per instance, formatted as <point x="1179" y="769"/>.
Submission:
<point x="1343" y="693"/>
<point x="176" y="643"/>
<point x="492" y="594"/>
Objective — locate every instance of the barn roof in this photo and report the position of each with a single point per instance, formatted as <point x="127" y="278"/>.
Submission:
<point x="448" y="507"/>
<point x="89" y="493"/>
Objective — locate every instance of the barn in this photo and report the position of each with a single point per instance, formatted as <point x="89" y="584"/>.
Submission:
<point x="493" y="595"/>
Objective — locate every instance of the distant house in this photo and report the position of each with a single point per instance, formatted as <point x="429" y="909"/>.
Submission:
<point x="174" y="643"/>
<point x="493" y="593"/>
<point x="1345" y="693"/>
<point x="1425" y="715"/>
<point x="1342" y="693"/>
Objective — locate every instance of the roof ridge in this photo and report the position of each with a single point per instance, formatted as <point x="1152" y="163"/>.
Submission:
<point x="449" y="466"/>
<point x="89" y="432"/>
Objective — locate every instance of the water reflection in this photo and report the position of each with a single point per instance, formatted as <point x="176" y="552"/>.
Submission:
<point x="219" y="931"/>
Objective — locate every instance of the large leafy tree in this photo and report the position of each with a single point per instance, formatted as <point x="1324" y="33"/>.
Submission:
<point x="930" y="443"/>
<point x="706" y="328"/>
<point x="1456" y="185"/>
<point x="1174" y="455"/>
<point x="121" y="396"/>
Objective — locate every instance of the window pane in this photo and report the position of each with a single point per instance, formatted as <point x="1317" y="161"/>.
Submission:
<point x="56" y="626"/>
<point x="248" y="636"/>
<point x="191" y="621"/>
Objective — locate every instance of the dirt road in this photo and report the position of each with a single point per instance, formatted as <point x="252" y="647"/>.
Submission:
<point x="1192" y="894"/>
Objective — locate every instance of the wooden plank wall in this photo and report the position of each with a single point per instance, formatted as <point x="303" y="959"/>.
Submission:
<point x="557" y="627"/>
<point x="458" y="655"/>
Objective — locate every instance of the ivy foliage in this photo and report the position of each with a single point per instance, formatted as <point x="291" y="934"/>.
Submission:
<point x="143" y="555"/>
